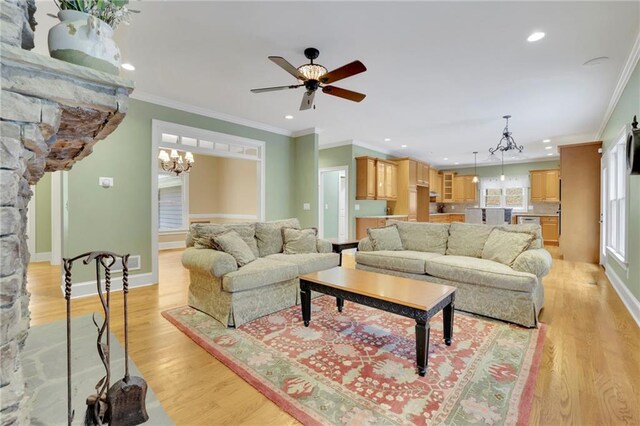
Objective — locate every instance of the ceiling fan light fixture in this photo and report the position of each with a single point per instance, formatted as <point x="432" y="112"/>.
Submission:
<point x="312" y="71"/>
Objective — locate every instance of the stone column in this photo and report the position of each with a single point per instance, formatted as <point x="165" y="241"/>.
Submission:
<point x="51" y="115"/>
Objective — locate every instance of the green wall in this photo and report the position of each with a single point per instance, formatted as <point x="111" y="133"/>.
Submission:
<point x="518" y="169"/>
<point x="118" y="218"/>
<point x="626" y="108"/>
<point x="43" y="214"/>
<point x="345" y="156"/>
<point x="331" y="187"/>
<point x="306" y="179"/>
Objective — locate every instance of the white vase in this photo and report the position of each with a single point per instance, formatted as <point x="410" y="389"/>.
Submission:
<point x="83" y="39"/>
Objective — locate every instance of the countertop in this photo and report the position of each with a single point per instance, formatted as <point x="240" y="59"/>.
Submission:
<point x="383" y="216"/>
<point x="536" y="214"/>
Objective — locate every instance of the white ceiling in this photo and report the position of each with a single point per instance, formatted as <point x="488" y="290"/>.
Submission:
<point x="440" y="74"/>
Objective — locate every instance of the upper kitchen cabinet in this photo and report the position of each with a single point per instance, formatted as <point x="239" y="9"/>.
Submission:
<point x="376" y="179"/>
<point x="423" y="174"/>
<point x="545" y="186"/>
<point x="447" y="187"/>
<point x="435" y="184"/>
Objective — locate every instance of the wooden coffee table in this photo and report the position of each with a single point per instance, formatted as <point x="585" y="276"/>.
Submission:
<point x="415" y="299"/>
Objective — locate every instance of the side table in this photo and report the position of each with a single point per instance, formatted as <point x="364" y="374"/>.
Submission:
<point x="339" y="245"/>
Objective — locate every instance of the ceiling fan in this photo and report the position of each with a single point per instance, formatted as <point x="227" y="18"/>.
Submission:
<point x="315" y="76"/>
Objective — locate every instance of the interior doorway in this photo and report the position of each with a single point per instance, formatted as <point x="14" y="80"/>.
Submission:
<point x="334" y="202"/>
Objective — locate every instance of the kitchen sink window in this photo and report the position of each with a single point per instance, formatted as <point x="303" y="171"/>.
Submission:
<point x="510" y="193"/>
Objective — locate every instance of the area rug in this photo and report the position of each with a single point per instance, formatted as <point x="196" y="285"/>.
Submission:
<point x="44" y="362"/>
<point x="358" y="367"/>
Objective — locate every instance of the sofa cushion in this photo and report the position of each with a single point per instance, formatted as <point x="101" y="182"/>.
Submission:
<point x="386" y="238"/>
<point x="423" y="236"/>
<point x="531" y="228"/>
<point x="480" y="271"/>
<point x="298" y="241"/>
<point x="309" y="262"/>
<point x="504" y="246"/>
<point x="259" y="273"/>
<point x="467" y="239"/>
<point x="269" y="235"/>
<point x="402" y="260"/>
<point x="201" y="234"/>
<point x="231" y="243"/>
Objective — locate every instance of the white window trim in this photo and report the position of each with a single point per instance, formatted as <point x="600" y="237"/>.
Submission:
<point x="620" y="141"/>
<point x="503" y="185"/>
<point x="158" y="127"/>
<point x="185" y="209"/>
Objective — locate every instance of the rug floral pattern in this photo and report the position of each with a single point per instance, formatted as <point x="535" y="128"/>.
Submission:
<point x="358" y="367"/>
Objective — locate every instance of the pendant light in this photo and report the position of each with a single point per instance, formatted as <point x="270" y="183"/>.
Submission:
<point x="475" y="167"/>
<point x="502" y="177"/>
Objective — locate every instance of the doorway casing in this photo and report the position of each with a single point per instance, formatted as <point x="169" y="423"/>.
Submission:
<point x="343" y="204"/>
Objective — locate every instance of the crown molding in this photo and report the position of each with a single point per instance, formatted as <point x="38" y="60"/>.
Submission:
<point x="357" y="143"/>
<point x="335" y="145"/>
<point x="304" y="132"/>
<point x="629" y="66"/>
<point x="170" y="103"/>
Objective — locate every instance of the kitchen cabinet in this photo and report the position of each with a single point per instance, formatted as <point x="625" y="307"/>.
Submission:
<point x="470" y="189"/>
<point x="406" y="196"/>
<point x="423" y="174"/>
<point x="376" y="179"/>
<point x="456" y="217"/>
<point x="545" y="186"/>
<point x="458" y="189"/>
<point x="362" y="223"/>
<point x="549" y="227"/>
<point x="446" y="218"/>
<point x="435" y="184"/>
<point x="447" y="187"/>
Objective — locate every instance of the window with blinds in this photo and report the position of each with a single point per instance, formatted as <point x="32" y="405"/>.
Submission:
<point x="510" y="193"/>
<point x="172" y="214"/>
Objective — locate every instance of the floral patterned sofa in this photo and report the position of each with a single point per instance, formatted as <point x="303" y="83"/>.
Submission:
<point x="235" y="295"/>
<point x="463" y="255"/>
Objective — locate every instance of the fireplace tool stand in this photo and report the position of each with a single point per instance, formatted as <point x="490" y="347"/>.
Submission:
<point x="122" y="404"/>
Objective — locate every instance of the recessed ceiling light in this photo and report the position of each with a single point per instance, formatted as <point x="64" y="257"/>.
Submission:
<point x="548" y="147"/>
<point x="546" y="141"/>
<point x="127" y="66"/>
<point x="551" y="153"/>
<point x="445" y="158"/>
<point x="289" y="117"/>
<point x="456" y="163"/>
<point x="596" y="61"/>
<point x="387" y="139"/>
<point x="403" y="146"/>
<point x="538" y="35"/>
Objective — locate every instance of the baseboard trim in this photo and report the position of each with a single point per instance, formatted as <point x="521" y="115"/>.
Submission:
<point x="88" y="288"/>
<point x="41" y="257"/>
<point x="630" y="302"/>
<point x="168" y="245"/>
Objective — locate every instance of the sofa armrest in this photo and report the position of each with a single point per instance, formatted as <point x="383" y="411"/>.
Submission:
<point x="365" y="245"/>
<point x="212" y="262"/>
<point x="324" y="246"/>
<point x="536" y="261"/>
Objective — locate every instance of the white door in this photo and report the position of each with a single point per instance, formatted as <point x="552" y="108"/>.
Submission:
<point x="342" y="205"/>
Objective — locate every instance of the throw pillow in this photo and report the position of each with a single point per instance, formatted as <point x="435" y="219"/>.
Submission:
<point x="231" y="243"/>
<point x="387" y="238"/>
<point x="467" y="239"/>
<point x="504" y="246"/>
<point x="299" y="241"/>
<point x="269" y="235"/>
<point x="202" y="234"/>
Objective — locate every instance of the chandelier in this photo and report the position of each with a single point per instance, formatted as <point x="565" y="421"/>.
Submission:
<point x="173" y="162"/>
<point x="508" y="141"/>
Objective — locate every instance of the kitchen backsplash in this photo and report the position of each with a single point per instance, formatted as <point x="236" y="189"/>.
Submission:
<point x="541" y="208"/>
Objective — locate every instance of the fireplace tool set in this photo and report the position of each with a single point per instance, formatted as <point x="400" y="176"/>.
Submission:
<point x="123" y="403"/>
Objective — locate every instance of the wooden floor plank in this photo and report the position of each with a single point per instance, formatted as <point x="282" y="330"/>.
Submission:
<point x="590" y="371"/>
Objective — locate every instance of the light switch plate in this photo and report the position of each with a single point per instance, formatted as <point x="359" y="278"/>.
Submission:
<point x="306" y="206"/>
<point x="357" y="206"/>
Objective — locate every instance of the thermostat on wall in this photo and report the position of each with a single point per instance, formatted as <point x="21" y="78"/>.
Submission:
<point x="105" y="182"/>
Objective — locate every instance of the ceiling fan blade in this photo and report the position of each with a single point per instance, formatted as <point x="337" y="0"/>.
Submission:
<point x="355" y="67"/>
<point x="307" y="100"/>
<point x="344" y="93"/>
<point x="273" y="89"/>
<point x="285" y="65"/>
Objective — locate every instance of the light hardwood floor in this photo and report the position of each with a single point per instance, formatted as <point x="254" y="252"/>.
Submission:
<point x="590" y="372"/>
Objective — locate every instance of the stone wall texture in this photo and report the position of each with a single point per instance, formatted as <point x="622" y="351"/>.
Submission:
<point x="51" y="115"/>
